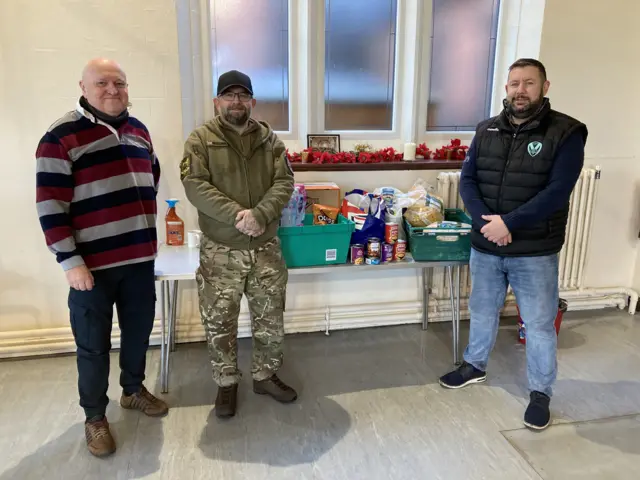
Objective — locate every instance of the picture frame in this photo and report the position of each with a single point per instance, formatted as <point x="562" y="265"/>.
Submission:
<point x="324" y="142"/>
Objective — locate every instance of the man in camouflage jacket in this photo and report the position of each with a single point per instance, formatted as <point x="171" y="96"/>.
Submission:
<point x="236" y="173"/>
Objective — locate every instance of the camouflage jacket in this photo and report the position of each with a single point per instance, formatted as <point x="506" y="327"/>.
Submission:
<point x="224" y="172"/>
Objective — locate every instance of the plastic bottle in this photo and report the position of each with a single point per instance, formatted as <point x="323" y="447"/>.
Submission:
<point x="174" y="224"/>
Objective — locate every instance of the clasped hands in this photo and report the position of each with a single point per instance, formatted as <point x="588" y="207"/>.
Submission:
<point x="247" y="224"/>
<point x="495" y="230"/>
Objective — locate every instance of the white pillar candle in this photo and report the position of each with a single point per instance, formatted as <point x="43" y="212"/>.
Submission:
<point x="409" y="151"/>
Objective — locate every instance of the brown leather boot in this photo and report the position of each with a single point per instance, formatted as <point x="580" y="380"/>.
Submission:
<point x="276" y="388"/>
<point x="99" y="440"/>
<point x="145" y="402"/>
<point x="226" y="401"/>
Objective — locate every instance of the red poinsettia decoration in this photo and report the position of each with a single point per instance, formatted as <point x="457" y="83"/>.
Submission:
<point x="321" y="157"/>
<point x="367" y="157"/>
<point x="344" y="157"/>
<point x="293" y="157"/>
<point x="423" y="151"/>
<point x="454" y="151"/>
<point x="389" y="155"/>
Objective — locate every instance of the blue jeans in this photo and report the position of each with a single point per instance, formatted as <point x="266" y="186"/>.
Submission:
<point x="535" y="283"/>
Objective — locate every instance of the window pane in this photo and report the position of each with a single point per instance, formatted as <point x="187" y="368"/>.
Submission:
<point x="253" y="37"/>
<point x="360" y="44"/>
<point x="462" y="60"/>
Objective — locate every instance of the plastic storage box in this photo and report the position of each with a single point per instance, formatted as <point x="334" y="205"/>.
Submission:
<point x="441" y="243"/>
<point x="313" y="245"/>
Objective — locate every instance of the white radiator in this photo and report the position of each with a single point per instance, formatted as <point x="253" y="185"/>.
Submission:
<point x="574" y="253"/>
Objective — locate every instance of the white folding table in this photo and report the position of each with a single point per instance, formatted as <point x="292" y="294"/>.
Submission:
<point x="174" y="264"/>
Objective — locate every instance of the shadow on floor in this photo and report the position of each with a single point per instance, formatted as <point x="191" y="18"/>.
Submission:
<point x="266" y="432"/>
<point x="619" y="433"/>
<point x="318" y="367"/>
<point x="66" y="457"/>
<point x="322" y="366"/>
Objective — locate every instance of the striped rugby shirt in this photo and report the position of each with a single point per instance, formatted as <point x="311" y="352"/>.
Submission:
<point x="96" y="190"/>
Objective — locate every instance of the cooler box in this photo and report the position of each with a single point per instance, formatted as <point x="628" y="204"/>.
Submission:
<point x="441" y="243"/>
<point x="313" y="245"/>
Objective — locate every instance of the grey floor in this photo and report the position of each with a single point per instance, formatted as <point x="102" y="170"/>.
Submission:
<point x="369" y="408"/>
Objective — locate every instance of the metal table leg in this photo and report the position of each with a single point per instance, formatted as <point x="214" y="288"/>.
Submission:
<point x="327" y="320"/>
<point x="165" y="360"/>
<point x="163" y="340"/>
<point x="172" y="319"/>
<point x="426" y="285"/>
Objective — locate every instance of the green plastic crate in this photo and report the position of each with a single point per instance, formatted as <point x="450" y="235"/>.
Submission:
<point x="441" y="243"/>
<point x="313" y="245"/>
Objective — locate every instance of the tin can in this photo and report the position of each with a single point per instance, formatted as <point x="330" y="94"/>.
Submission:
<point x="391" y="233"/>
<point x="374" y="248"/>
<point x="387" y="253"/>
<point x="372" y="261"/>
<point x="400" y="250"/>
<point x="357" y="254"/>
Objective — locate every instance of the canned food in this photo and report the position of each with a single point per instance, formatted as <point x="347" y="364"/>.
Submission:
<point x="373" y="248"/>
<point x="372" y="261"/>
<point x="357" y="254"/>
<point x="387" y="253"/>
<point x="391" y="233"/>
<point x="399" y="250"/>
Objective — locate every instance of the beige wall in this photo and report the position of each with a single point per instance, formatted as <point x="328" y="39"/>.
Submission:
<point x="590" y="50"/>
<point x="44" y="46"/>
<point x="587" y="47"/>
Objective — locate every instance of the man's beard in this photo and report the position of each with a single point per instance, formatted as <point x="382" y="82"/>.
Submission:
<point x="522" y="112"/>
<point x="237" y="120"/>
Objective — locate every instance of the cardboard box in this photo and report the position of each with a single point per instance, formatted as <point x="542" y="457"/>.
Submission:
<point x="322" y="193"/>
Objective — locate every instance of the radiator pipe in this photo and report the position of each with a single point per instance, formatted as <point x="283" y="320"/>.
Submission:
<point x="582" y="207"/>
<point x="564" y="269"/>
<point x="593" y="192"/>
<point x="583" y="297"/>
<point x="605" y="292"/>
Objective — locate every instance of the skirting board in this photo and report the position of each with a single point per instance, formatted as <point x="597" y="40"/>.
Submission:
<point x="59" y="340"/>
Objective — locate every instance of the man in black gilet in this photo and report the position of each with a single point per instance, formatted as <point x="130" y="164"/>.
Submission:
<point x="516" y="183"/>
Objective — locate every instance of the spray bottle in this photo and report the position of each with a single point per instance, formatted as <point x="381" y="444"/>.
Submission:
<point x="174" y="224"/>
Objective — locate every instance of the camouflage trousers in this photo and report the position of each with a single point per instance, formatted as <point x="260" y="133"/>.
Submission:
<point x="223" y="276"/>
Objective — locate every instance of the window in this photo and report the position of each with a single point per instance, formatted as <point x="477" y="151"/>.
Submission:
<point x="463" y="46"/>
<point x="253" y="37"/>
<point x="360" y="53"/>
<point x="385" y="71"/>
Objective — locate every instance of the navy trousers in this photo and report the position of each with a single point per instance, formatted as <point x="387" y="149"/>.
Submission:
<point x="131" y="288"/>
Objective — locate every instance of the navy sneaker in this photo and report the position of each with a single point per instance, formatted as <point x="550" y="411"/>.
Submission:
<point x="537" y="416"/>
<point x="464" y="375"/>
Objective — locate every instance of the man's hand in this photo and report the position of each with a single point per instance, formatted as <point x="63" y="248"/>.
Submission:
<point x="495" y="230"/>
<point x="504" y="241"/>
<point x="247" y="224"/>
<point x="80" y="278"/>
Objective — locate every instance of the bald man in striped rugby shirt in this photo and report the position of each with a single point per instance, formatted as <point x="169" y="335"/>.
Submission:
<point x="96" y="185"/>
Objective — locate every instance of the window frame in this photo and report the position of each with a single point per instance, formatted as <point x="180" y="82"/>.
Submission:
<point x="292" y="57"/>
<point x="519" y="35"/>
<point x="392" y="133"/>
<point x="426" y="73"/>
